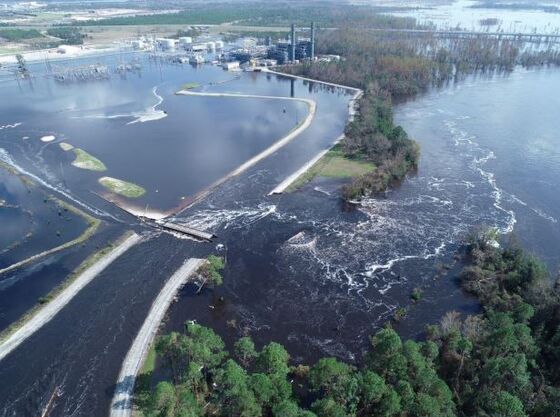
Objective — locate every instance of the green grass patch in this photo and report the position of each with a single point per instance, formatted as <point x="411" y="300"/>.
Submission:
<point x="86" y="161"/>
<point x="124" y="188"/>
<point x="189" y="86"/>
<point x="66" y="146"/>
<point x="143" y="384"/>
<point x="93" y="225"/>
<point x="15" y="35"/>
<point x="150" y="363"/>
<point x="334" y="165"/>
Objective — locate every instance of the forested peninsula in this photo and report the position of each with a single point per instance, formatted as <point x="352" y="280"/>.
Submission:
<point x="389" y="67"/>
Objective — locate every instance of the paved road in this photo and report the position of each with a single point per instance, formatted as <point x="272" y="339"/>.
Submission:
<point x="50" y="310"/>
<point x="121" y="405"/>
<point x="264" y="154"/>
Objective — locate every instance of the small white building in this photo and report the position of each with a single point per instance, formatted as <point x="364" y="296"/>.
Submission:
<point x="138" y="44"/>
<point x="229" y="66"/>
<point x="185" y="40"/>
<point x="219" y="44"/>
<point x="200" y="47"/>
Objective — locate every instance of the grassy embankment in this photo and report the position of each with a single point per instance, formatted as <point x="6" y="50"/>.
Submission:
<point x="124" y="188"/>
<point x="92" y="226"/>
<point x="87" y="263"/>
<point x="92" y="222"/>
<point x="335" y="164"/>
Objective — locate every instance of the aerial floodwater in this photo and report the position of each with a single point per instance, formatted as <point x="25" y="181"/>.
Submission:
<point x="524" y="17"/>
<point x="62" y="139"/>
<point x="84" y="164"/>
<point x="315" y="276"/>
<point x="140" y="132"/>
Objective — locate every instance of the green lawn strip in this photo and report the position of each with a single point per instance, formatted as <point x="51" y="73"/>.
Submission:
<point x="88" y="262"/>
<point x="333" y="165"/>
<point x="86" y="161"/>
<point x="142" y="386"/>
<point x="124" y="188"/>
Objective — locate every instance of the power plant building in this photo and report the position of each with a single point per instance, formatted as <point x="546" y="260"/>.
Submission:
<point x="294" y="49"/>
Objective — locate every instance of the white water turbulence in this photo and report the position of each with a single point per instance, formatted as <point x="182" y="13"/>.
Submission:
<point x="150" y="114"/>
<point x="210" y="220"/>
<point x="401" y="240"/>
<point x="10" y="126"/>
<point x="480" y="157"/>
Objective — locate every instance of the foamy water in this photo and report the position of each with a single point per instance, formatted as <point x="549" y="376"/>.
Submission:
<point x="150" y="114"/>
<point x="10" y="126"/>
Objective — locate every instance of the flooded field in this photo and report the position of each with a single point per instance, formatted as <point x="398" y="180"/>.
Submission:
<point x="137" y="130"/>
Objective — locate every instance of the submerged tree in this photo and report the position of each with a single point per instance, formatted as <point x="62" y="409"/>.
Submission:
<point x="209" y="272"/>
<point x="22" y="65"/>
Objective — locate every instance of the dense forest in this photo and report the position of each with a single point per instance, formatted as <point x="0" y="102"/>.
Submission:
<point x="15" y="35"/>
<point x="278" y="13"/>
<point x="70" y="35"/>
<point x="393" y="66"/>
<point x="501" y="363"/>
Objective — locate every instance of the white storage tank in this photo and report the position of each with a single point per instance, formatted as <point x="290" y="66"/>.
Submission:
<point x="229" y="66"/>
<point x="138" y="44"/>
<point x="199" y="48"/>
<point x="167" y="43"/>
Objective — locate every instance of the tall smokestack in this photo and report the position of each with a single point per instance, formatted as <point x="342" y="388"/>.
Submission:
<point x="312" y="41"/>
<point x="293" y="57"/>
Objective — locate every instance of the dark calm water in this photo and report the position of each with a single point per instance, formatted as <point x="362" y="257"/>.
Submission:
<point x="173" y="146"/>
<point x="302" y="270"/>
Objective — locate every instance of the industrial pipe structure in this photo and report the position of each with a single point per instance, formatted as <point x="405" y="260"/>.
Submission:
<point x="312" y="54"/>
<point x="293" y="46"/>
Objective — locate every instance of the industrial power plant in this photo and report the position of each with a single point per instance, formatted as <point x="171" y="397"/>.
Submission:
<point x="245" y="53"/>
<point x="295" y="49"/>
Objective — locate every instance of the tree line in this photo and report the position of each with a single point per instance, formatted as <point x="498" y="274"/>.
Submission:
<point x="501" y="363"/>
<point x="257" y="13"/>
<point x="388" y="66"/>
